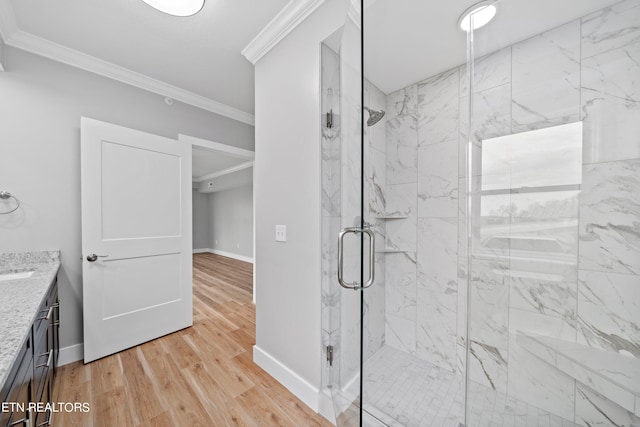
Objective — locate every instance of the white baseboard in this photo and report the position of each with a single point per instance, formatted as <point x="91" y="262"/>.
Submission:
<point x="71" y="354"/>
<point x="297" y="385"/>
<point x="224" y="253"/>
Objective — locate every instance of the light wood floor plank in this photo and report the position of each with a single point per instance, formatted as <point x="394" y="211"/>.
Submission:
<point x="200" y="376"/>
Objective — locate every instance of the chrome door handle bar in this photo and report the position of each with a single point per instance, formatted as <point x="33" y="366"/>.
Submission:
<point x="372" y="247"/>
<point x="94" y="257"/>
<point x="372" y="256"/>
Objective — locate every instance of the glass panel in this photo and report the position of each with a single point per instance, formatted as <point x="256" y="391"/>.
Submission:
<point x="413" y="372"/>
<point x="343" y="208"/>
<point x="553" y="130"/>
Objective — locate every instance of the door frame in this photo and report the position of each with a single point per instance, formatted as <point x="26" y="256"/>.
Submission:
<point x="228" y="150"/>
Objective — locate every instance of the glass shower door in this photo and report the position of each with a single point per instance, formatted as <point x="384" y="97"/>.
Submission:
<point x="347" y="237"/>
<point x="554" y="188"/>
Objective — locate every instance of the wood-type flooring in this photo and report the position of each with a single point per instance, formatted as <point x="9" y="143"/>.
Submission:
<point x="200" y="376"/>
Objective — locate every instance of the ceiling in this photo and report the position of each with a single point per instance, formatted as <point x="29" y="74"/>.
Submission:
<point x="407" y="41"/>
<point x="200" y="54"/>
<point x="206" y="162"/>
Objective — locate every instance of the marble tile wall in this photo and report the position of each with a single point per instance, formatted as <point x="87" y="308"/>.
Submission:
<point x="587" y="70"/>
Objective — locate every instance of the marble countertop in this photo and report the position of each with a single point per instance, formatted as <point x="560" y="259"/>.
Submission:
<point x="21" y="298"/>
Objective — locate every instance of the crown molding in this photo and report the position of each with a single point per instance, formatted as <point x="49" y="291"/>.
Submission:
<point x="286" y="21"/>
<point x="19" y="39"/>
<point x="48" y="49"/>
<point x="218" y="147"/>
<point x="227" y="171"/>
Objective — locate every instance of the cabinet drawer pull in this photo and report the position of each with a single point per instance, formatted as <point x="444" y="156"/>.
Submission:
<point x="50" y="353"/>
<point x="48" y="316"/>
<point x="24" y="422"/>
<point x="46" y="422"/>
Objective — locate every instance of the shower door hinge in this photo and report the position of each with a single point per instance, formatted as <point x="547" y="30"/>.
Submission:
<point x="330" y="355"/>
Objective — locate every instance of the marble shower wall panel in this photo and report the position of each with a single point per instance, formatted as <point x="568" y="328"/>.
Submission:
<point x="375" y="187"/>
<point x="402" y="137"/>
<point x="376" y="184"/>
<point x="400" y="290"/>
<point x="594" y="410"/>
<point x="437" y="255"/>
<point x="400" y="333"/>
<point x="609" y="217"/>
<point x="488" y="322"/>
<point x="375" y="157"/>
<point x="488" y="366"/>
<point x="436" y="328"/>
<point x="491" y="115"/>
<point x="611" y="82"/>
<point x="610" y="28"/>
<point x="374" y="306"/>
<point x="490" y="71"/>
<point x="438" y="179"/>
<point x="401" y="200"/>
<point x="609" y="312"/>
<point x="530" y="378"/>
<point x="546" y="79"/>
<point x="438" y="101"/>
<point x="552" y="292"/>
<point x="489" y="304"/>
<point x="491" y="118"/>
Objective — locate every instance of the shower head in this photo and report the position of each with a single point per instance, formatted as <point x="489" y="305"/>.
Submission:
<point x="374" y="116"/>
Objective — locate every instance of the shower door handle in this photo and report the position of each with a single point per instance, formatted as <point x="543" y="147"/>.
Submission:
<point x="372" y="256"/>
<point x="372" y="246"/>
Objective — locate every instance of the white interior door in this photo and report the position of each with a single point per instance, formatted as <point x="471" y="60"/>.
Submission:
<point x="136" y="216"/>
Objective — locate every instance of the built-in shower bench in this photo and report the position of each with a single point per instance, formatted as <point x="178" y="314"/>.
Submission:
<point x="613" y="375"/>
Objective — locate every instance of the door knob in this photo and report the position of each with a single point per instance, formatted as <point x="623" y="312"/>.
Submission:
<point x="94" y="257"/>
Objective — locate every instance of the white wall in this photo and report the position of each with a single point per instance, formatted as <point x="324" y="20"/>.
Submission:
<point x="231" y="226"/>
<point x="42" y="102"/>
<point x="287" y="191"/>
<point x="201" y="220"/>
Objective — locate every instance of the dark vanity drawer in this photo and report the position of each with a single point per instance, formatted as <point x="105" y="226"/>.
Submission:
<point x="42" y="362"/>
<point x="18" y="393"/>
<point x="44" y="418"/>
<point x="30" y="378"/>
<point x="43" y="345"/>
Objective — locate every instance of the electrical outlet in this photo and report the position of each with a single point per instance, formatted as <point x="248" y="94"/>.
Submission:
<point x="281" y="233"/>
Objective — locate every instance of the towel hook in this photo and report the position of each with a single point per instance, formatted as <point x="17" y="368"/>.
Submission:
<point x="4" y="195"/>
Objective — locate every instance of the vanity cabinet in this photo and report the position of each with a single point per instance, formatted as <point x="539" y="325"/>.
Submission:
<point x="30" y="379"/>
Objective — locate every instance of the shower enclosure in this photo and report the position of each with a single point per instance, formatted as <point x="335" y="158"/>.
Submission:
<point x="481" y="239"/>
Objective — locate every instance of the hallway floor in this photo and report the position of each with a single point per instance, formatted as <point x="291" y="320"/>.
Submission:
<point x="199" y="376"/>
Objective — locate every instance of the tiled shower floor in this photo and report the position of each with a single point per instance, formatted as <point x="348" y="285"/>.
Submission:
<point x="401" y="390"/>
